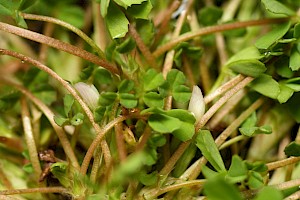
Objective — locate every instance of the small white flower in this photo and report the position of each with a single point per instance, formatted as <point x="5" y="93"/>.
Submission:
<point x="89" y="94"/>
<point x="197" y="105"/>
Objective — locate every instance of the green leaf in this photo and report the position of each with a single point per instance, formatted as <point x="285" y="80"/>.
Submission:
<point x="252" y="131"/>
<point x="238" y="170"/>
<point x="209" y="149"/>
<point x="249" y="53"/>
<point x="210" y="15"/>
<point x="152" y="80"/>
<point x="68" y="102"/>
<point x="217" y="189"/>
<point x="107" y="98"/>
<point x="277" y="8"/>
<point x="20" y="20"/>
<point x="292" y="106"/>
<point x="269" y="193"/>
<point x="257" y="166"/>
<point x="293" y="83"/>
<point x="184" y="161"/>
<point x="59" y="170"/>
<point x="182" y="93"/>
<point x="153" y="99"/>
<point x="24" y="4"/>
<point x="297" y="31"/>
<point x="175" y="78"/>
<point x="116" y="22"/>
<point x="285" y="93"/>
<point x="252" y="68"/>
<point x="103" y="6"/>
<point x="255" y="180"/>
<point x="128" y="100"/>
<point x="102" y="76"/>
<point x="77" y="119"/>
<point x="140" y="11"/>
<point x="273" y="36"/>
<point x="73" y="15"/>
<point x="126" y="3"/>
<point x="163" y="123"/>
<point x="126" y="86"/>
<point x="293" y="149"/>
<point x="282" y="67"/>
<point x="7" y="7"/>
<point x="266" y="86"/>
<point x="60" y="121"/>
<point x="294" y="59"/>
<point x="148" y="179"/>
<point x="186" y="130"/>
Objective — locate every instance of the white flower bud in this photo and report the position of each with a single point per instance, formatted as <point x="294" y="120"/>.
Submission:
<point x="89" y="94"/>
<point x="197" y="105"/>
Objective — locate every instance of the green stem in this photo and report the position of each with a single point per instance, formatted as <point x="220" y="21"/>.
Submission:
<point x="232" y="141"/>
<point x="69" y="27"/>
<point x="215" y="29"/>
<point x="59" y="45"/>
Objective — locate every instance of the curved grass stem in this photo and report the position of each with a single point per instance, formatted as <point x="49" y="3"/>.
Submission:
<point x="215" y="29"/>
<point x="59" y="45"/>
<point x="68" y="26"/>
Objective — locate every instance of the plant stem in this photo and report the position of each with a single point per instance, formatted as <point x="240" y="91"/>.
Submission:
<point x="277" y="164"/>
<point x="215" y="29"/>
<point x="95" y="143"/>
<point x="50" y="116"/>
<point x="222" y="101"/>
<point x="4" y="179"/>
<point x="120" y="142"/>
<point x="232" y="141"/>
<point x="34" y="190"/>
<point x="68" y="26"/>
<point x="156" y="192"/>
<point x="29" y="138"/>
<point x="225" y="87"/>
<point x="59" y="45"/>
<point x="143" y="48"/>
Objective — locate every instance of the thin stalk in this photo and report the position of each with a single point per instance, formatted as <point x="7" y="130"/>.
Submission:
<point x="232" y="141"/>
<point x="69" y="88"/>
<point x="59" y="45"/>
<point x="68" y="26"/>
<point x="225" y="110"/>
<point x="222" y="101"/>
<point x="50" y="116"/>
<point x="225" y="87"/>
<point x="34" y="190"/>
<point x="277" y="164"/>
<point x="293" y="196"/>
<point x="143" y="48"/>
<point x="156" y="192"/>
<point x="29" y="138"/>
<point x="215" y="29"/>
<point x="145" y="136"/>
<point x="96" y="141"/>
<point x="120" y="142"/>
<point x="96" y="165"/>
